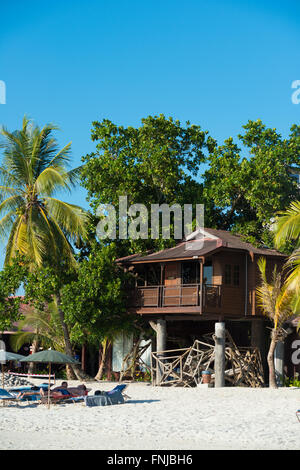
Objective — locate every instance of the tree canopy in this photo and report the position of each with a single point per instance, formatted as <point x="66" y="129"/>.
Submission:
<point x="163" y="161"/>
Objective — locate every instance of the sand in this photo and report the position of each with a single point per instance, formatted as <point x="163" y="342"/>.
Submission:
<point x="158" y="418"/>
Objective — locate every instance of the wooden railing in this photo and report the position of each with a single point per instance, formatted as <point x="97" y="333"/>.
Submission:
<point x="181" y="295"/>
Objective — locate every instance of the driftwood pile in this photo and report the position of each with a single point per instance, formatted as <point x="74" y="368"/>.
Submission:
<point x="183" y="367"/>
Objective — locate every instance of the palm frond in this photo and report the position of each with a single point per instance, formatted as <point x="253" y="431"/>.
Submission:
<point x="274" y="299"/>
<point x="287" y="224"/>
<point x="71" y="218"/>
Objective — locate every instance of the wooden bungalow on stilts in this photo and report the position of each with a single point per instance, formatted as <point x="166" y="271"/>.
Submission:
<point x="183" y="291"/>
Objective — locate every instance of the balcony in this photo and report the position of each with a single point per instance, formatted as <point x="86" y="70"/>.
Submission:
<point x="201" y="296"/>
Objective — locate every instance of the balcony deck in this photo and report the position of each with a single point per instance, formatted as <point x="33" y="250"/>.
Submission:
<point x="185" y="298"/>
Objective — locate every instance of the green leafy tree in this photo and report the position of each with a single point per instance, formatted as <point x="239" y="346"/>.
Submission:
<point x="156" y="163"/>
<point x="43" y="287"/>
<point x="11" y="278"/>
<point x="95" y="302"/>
<point x="248" y="185"/>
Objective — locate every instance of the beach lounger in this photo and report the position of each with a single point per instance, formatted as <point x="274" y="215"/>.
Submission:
<point x="112" y="397"/>
<point x="55" y="396"/>
<point x="19" y="396"/>
<point x="29" y="393"/>
<point x="104" y="399"/>
<point x="120" y="388"/>
<point x="6" y="396"/>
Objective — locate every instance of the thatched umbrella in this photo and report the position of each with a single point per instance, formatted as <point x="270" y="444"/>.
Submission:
<point x="50" y="357"/>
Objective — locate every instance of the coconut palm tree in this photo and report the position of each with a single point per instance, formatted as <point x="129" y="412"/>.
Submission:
<point x="35" y="222"/>
<point x="275" y="302"/>
<point x="287" y="227"/>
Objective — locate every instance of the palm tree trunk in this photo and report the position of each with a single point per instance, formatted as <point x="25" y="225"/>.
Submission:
<point x="80" y="375"/>
<point x="270" y="359"/>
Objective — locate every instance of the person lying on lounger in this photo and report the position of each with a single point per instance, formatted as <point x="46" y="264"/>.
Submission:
<point x="63" y="386"/>
<point x="56" y="394"/>
<point x="79" y="391"/>
<point x="64" y="390"/>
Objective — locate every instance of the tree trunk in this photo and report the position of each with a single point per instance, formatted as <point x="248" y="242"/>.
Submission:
<point x="33" y="350"/>
<point x="105" y="345"/>
<point x="80" y="375"/>
<point x="270" y="359"/>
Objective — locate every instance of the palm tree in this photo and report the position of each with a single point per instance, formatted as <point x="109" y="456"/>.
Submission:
<point x="275" y="302"/>
<point x="37" y="224"/>
<point x="41" y="327"/>
<point x="287" y="227"/>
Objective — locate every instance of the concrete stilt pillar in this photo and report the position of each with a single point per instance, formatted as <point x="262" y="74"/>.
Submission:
<point x="161" y="332"/>
<point x="161" y="340"/>
<point x="220" y="354"/>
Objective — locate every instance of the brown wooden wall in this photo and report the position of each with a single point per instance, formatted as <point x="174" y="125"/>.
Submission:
<point x="235" y="301"/>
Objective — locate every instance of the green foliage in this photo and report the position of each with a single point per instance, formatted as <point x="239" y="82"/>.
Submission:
<point x="273" y="298"/>
<point x="155" y="163"/>
<point x="292" y="382"/>
<point x="44" y="328"/>
<point x="249" y="186"/>
<point x="11" y="278"/>
<point x="287" y="229"/>
<point x="34" y="222"/>
<point x="95" y="302"/>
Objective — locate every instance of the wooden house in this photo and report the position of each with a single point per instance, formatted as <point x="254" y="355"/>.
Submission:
<point x="187" y="288"/>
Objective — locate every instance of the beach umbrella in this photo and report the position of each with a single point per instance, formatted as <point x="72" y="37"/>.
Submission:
<point x="8" y="356"/>
<point x="49" y="357"/>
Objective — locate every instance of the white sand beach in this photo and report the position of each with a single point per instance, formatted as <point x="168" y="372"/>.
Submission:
<point x="161" y="419"/>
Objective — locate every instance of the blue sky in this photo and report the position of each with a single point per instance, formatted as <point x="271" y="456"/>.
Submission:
<point x="217" y="64"/>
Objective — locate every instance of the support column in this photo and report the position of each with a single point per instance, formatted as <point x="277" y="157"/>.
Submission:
<point x="161" y="339"/>
<point x="161" y="332"/>
<point x="220" y="354"/>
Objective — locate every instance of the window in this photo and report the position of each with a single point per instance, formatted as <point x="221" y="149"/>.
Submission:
<point x="236" y="275"/>
<point x="190" y="273"/>
<point x="141" y="278"/>
<point x="207" y="272"/>
<point x="153" y="275"/>
<point x="232" y="275"/>
<point x="227" y="274"/>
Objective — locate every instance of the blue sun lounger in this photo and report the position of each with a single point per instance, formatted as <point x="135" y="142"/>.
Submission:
<point x="119" y="388"/>
<point x="112" y="397"/>
<point x="6" y="396"/>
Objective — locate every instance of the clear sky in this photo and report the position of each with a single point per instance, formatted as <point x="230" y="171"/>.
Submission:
<point x="214" y="63"/>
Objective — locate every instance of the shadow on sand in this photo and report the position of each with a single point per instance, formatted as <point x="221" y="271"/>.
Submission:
<point x="141" y="401"/>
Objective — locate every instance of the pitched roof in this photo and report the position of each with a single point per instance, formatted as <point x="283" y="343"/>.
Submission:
<point x="201" y="243"/>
